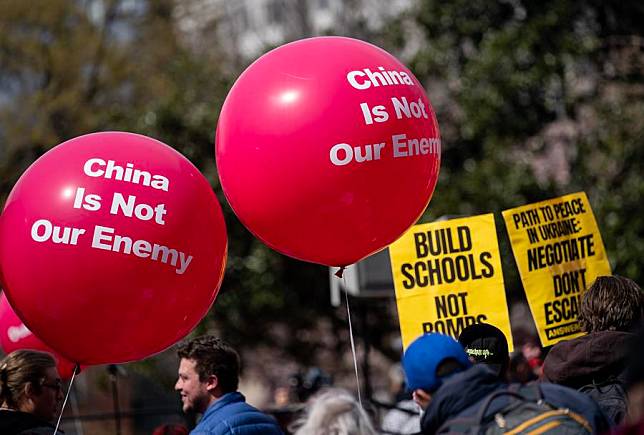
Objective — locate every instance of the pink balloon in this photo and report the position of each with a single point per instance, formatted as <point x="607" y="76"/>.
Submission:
<point x="328" y="149"/>
<point x="112" y="247"/>
<point x="14" y="335"/>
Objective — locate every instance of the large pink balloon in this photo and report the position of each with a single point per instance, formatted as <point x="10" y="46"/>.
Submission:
<point x="14" y="335"/>
<point x="328" y="149"/>
<point x="112" y="247"/>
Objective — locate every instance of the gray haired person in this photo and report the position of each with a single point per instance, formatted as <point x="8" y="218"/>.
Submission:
<point x="335" y="412"/>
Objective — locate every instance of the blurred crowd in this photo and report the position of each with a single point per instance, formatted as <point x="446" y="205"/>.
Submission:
<point x="593" y="383"/>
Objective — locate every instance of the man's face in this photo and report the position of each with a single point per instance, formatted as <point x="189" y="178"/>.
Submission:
<point x="47" y="402"/>
<point x="194" y="393"/>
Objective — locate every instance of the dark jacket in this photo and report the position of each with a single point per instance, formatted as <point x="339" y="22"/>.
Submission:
<point x="22" y="423"/>
<point x="594" y="357"/>
<point x="596" y="365"/>
<point x="231" y="415"/>
<point x="462" y="393"/>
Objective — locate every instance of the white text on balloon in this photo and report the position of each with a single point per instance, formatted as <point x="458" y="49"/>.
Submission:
<point x="42" y="230"/>
<point x="342" y="154"/>
<point x="404" y="147"/>
<point x="96" y="167"/>
<point x="104" y="238"/>
<point x="364" y="79"/>
<point x="402" y="107"/>
<point x="17" y="333"/>
<point x="142" y="211"/>
<point x="91" y="202"/>
<point x="127" y="208"/>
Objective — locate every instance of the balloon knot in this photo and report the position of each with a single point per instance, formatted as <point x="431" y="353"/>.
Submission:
<point x="340" y="272"/>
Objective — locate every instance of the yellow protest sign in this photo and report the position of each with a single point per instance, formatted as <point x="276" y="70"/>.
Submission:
<point x="447" y="276"/>
<point x="559" y="252"/>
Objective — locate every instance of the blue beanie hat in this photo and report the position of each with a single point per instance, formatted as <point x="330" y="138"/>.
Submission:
<point x="425" y="354"/>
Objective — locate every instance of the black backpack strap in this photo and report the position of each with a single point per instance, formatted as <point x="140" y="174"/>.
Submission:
<point x="485" y="406"/>
<point x="608" y="382"/>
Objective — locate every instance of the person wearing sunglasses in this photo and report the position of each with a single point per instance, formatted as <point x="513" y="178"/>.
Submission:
<point x="31" y="393"/>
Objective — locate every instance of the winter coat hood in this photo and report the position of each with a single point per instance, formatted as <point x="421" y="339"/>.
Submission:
<point x="595" y="357"/>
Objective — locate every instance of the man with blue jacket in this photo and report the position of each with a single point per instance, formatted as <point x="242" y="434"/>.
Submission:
<point x="208" y="380"/>
<point x="457" y="396"/>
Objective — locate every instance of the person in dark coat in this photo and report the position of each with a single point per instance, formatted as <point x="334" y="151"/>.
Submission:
<point x="447" y="386"/>
<point x="611" y="310"/>
<point x="31" y="393"/>
<point x="208" y="381"/>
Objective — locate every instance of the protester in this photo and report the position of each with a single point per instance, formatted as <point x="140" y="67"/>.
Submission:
<point x="611" y="309"/>
<point x="453" y="392"/>
<point x="486" y="344"/>
<point x="334" y="412"/>
<point x="31" y="393"/>
<point x="208" y="381"/>
<point x="533" y="354"/>
<point x="520" y="370"/>
<point x="526" y="362"/>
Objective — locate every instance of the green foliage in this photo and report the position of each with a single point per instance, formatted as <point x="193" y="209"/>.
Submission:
<point x="610" y="168"/>
<point x="509" y="74"/>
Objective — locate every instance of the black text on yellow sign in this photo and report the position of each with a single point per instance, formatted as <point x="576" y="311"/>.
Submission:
<point x="448" y="276"/>
<point x="559" y="252"/>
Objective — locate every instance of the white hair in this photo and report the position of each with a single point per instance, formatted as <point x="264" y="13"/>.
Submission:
<point x="335" y="412"/>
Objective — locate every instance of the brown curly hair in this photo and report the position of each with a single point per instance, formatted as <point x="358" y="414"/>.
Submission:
<point x="612" y="303"/>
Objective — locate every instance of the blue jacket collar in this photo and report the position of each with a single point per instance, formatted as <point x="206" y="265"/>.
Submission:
<point x="224" y="400"/>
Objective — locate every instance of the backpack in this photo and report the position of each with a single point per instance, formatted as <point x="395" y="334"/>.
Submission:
<point x="610" y="396"/>
<point x="526" y="412"/>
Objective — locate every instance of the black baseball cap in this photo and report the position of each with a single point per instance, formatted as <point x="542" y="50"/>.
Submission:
<point x="486" y="344"/>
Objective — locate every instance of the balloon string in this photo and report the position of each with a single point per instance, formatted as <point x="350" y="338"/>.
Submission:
<point x="69" y="389"/>
<point x="73" y="399"/>
<point x="353" y="345"/>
